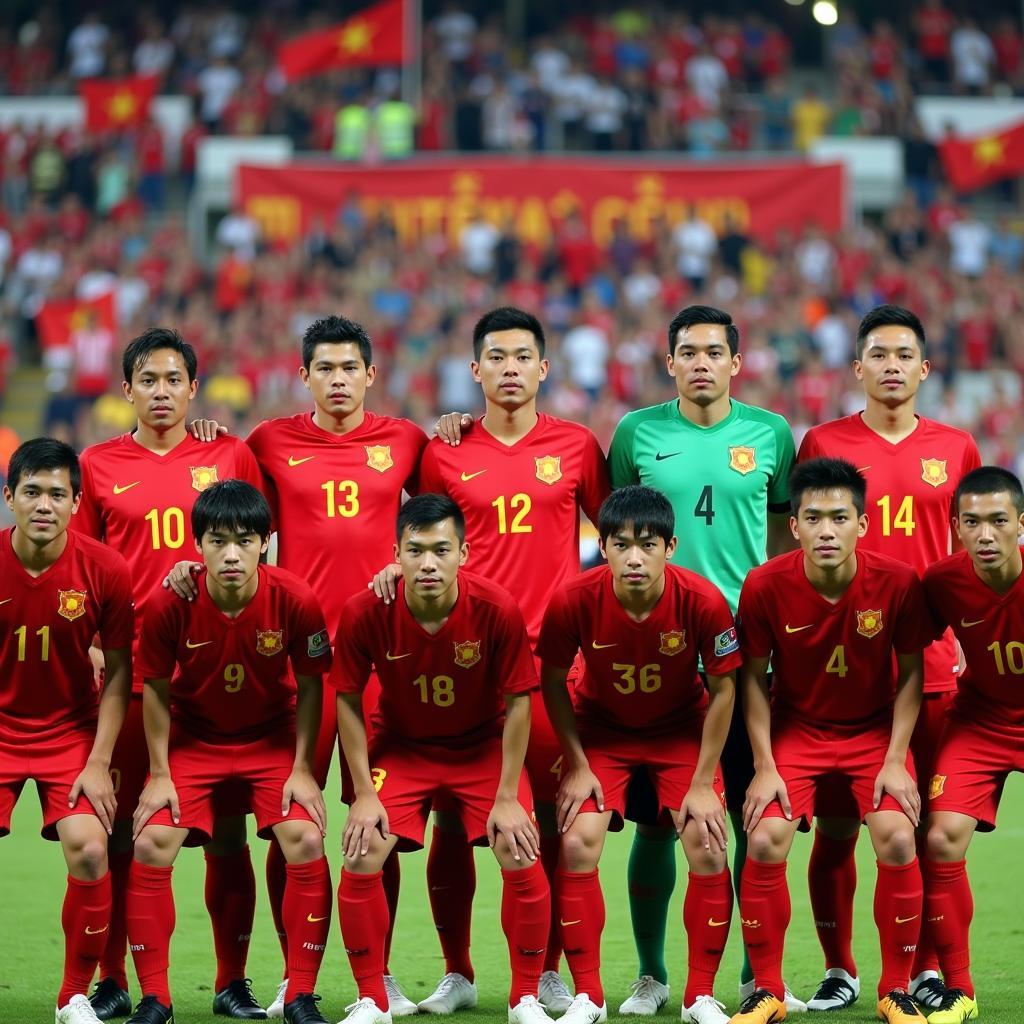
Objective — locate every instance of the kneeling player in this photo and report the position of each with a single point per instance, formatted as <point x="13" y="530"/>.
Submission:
<point x="641" y="624"/>
<point x="238" y="719"/>
<point x="831" y="618"/>
<point x="980" y="593"/>
<point x="453" y="659"/>
<point x="59" y="589"/>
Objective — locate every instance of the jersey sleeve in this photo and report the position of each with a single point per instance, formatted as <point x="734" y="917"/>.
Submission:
<point x="755" y="634"/>
<point x="594" y="485"/>
<point x="513" y="662"/>
<point x="621" y="463"/>
<point x="158" y="640"/>
<point x="257" y="444"/>
<point x="719" y="643"/>
<point x="116" y="624"/>
<point x="418" y="442"/>
<point x="914" y="627"/>
<point x="246" y="466"/>
<point x="810" y="447"/>
<point x="353" y="661"/>
<point x="431" y="479"/>
<point x="778" y="488"/>
<point x="89" y="518"/>
<point x="933" y="587"/>
<point x="310" y="647"/>
<point x="559" y="638"/>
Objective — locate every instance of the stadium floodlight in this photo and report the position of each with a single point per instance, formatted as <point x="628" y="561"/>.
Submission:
<point x="795" y="3"/>
<point x="825" y="12"/>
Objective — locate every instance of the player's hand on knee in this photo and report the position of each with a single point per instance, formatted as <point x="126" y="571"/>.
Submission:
<point x="704" y="806"/>
<point x="895" y="780"/>
<point x="206" y="430"/>
<point x="180" y="579"/>
<point x="385" y="584"/>
<point x="576" y="787"/>
<point x="95" y="784"/>
<point x="508" y="818"/>
<point x="302" y="788"/>
<point x="365" y="814"/>
<point x="765" y="787"/>
<point x="159" y="793"/>
<point x="450" y="426"/>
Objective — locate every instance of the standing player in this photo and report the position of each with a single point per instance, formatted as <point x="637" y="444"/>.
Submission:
<point x="912" y="466"/>
<point x="450" y="650"/>
<point x="58" y="591"/>
<point x="137" y="493"/>
<point x="239" y="718"/>
<point x="724" y="467"/>
<point x="640" y="624"/>
<point x="845" y="630"/>
<point x="980" y="594"/>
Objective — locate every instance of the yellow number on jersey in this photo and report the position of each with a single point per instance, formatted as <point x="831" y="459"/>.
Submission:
<point x="904" y="515"/>
<point x="168" y="530"/>
<point x="649" y="678"/>
<point x="1009" y="657"/>
<point x="837" y="663"/>
<point x="520" y="504"/>
<point x="234" y="676"/>
<point x="44" y="648"/>
<point x="342" y="498"/>
<point x="441" y="690"/>
<point x="378" y="775"/>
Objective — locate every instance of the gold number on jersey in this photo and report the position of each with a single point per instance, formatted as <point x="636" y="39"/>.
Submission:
<point x="1009" y="657"/>
<point x="377" y="776"/>
<point x="43" y="633"/>
<point x="342" y="498"/>
<point x="837" y="663"/>
<point x="520" y="504"/>
<point x="439" y="690"/>
<point x="556" y="768"/>
<point x="234" y="676"/>
<point x="649" y="679"/>
<point x="904" y="519"/>
<point x="168" y="530"/>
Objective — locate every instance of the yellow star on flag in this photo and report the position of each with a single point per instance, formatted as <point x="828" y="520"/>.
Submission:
<point x="989" y="151"/>
<point x="355" y="37"/>
<point x="122" y="106"/>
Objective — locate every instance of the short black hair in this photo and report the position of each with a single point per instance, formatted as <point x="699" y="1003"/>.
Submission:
<point x="694" y="315"/>
<point x="827" y="475"/>
<point x="336" y="330"/>
<point x="233" y="506"/>
<point x="647" y="509"/>
<point x="40" y="454"/>
<point x="889" y="315"/>
<point x="152" y="340"/>
<point x="990" y="480"/>
<point x="426" y="510"/>
<point x="506" y="318"/>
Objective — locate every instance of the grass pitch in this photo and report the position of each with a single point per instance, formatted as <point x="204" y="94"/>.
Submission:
<point x="31" y="944"/>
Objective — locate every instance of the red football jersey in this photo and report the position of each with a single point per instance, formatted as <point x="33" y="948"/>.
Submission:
<point x="910" y="501"/>
<point x="141" y="503"/>
<point x="640" y="676"/>
<point x="833" y="663"/>
<point x="47" y="623"/>
<point x="990" y="628"/>
<point x="335" y="499"/>
<point x="446" y="688"/>
<point x="229" y="677"/>
<point x="522" y="504"/>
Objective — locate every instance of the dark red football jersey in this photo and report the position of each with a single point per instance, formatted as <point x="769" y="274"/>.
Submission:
<point x="141" y="503"/>
<point x="229" y="677"/>
<point x="447" y="688"/>
<point x="335" y="499"/>
<point x="910" y="496"/>
<point x="522" y="504"/>
<point x="640" y="676"/>
<point x="833" y="664"/>
<point x="990" y="628"/>
<point x="48" y="623"/>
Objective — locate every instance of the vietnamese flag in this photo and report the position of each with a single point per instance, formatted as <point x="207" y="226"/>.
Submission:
<point x="112" y="104"/>
<point x="974" y="163"/>
<point x="57" y="322"/>
<point x="373" y="37"/>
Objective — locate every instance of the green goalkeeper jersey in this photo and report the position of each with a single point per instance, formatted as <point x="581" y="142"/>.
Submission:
<point x="722" y="482"/>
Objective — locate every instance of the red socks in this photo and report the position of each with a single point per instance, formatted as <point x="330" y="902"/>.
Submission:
<point x="949" y="905"/>
<point x="451" y="883"/>
<point x="363" y="912"/>
<point x="925" y="958"/>
<point x="86" y="921"/>
<point x="307" y="920"/>
<point x="526" y="921"/>
<point x="231" y="902"/>
<point x="898" y="898"/>
<point x="392" y="885"/>
<point x="765" y="911"/>
<point x="550" y="850"/>
<point x="707" y="911"/>
<point x="581" y="916"/>
<point x="277" y="879"/>
<point x="116" y="948"/>
<point x="150" y="926"/>
<point x="832" y="879"/>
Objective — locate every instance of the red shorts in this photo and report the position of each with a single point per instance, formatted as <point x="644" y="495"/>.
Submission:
<point x="544" y="753"/>
<point x="251" y="773"/>
<point x="836" y="766"/>
<point x="54" y="764"/>
<point x="924" y="743"/>
<point x="971" y="769"/>
<point x="669" y="760"/>
<point x="129" y="763"/>
<point x="409" y="779"/>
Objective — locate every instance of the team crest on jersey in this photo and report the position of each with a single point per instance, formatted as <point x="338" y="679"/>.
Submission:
<point x="936" y="786"/>
<point x="72" y="604"/>
<point x="378" y="457"/>
<point x="742" y="459"/>
<point x="467" y="654"/>
<point x="203" y="476"/>
<point x="549" y="468"/>
<point x="673" y="642"/>
<point x="269" y="641"/>
<point x="869" y="623"/>
<point x="933" y="471"/>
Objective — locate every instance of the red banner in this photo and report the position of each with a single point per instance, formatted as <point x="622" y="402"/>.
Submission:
<point x="427" y="197"/>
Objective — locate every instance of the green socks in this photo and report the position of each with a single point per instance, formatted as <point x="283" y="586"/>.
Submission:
<point x="651" y="877"/>
<point x="739" y="857"/>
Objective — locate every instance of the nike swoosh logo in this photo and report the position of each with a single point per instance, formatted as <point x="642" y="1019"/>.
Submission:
<point x="397" y="657"/>
<point x="292" y="461"/>
<point x="863" y="469"/>
<point x="661" y="458"/>
<point x="601" y="647"/>
<point x="716" y="924"/>
<point x="313" y="920"/>
<point x="127" y="487"/>
<point x="904" y="920"/>
<point x="96" y="931"/>
<point x="797" y="629"/>
<point x="967" y="625"/>
<point x="202" y="643"/>
<point x="466" y="477"/>
<point x="566" y="924"/>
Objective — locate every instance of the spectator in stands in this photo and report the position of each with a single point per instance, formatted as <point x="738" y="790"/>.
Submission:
<point x="973" y="58"/>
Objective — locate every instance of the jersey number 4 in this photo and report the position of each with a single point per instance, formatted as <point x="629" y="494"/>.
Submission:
<point x="705" y="507"/>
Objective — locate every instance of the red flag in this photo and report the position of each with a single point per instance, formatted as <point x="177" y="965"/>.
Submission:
<point x="373" y="37"/>
<point x="979" y="161"/>
<point x="88" y="331"/>
<point x="112" y="104"/>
